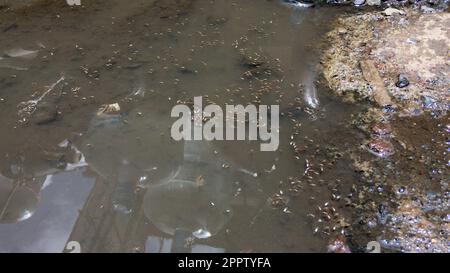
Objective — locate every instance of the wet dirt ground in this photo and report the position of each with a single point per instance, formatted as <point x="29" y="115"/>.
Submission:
<point x="70" y="173"/>
<point x="401" y="66"/>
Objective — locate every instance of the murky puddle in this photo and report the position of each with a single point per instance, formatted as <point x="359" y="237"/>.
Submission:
<point x="117" y="181"/>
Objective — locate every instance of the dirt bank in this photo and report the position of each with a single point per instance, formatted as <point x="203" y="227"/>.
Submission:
<point x="415" y="45"/>
<point x="398" y="62"/>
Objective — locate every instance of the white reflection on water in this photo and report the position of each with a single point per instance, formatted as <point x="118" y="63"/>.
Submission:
<point x="55" y="216"/>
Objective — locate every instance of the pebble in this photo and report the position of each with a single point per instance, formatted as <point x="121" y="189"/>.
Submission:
<point x="359" y="3"/>
<point x="381" y="129"/>
<point x="381" y="147"/>
<point x="373" y="2"/>
<point x="402" y="81"/>
<point x="402" y="190"/>
<point x="342" y="30"/>
<point x="426" y="9"/>
<point x="392" y="11"/>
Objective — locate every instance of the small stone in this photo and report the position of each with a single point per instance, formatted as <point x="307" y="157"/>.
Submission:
<point x="381" y="147"/>
<point x="109" y="109"/>
<point x="278" y="201"/>
<point x="359" y="3"/>
<point x="342" y="30"/>
<point x="381" y="129"/>
<point x="401" y="190"/>
<point x="392" y="11"/>
<point x="402" y="81"/>
<point x="428" y="102"/>
<point x="426" y="9"/>
<point x="373" y="2"/>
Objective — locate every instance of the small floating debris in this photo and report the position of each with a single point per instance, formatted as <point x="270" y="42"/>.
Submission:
<point x="78" y="158"/>
<point x="140" y="92"/>
<point x="278" y="200"/>
<point x="253" y="174"/>
<point x="271" y="169"/>
<point x="200" y="181"/>
<point x="109" y="109"/>
<point x="28" y="108"/>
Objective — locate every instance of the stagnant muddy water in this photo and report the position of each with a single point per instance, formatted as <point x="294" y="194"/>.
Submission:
<point x="71" y="173"/>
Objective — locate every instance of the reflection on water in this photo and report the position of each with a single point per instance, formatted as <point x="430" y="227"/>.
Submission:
<point x="52" y="208"/>
<point x="150" y="191"/>
<point x="195" y="198"/>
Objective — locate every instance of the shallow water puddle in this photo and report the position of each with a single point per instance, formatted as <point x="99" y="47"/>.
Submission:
<point x="149" y="189"/>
